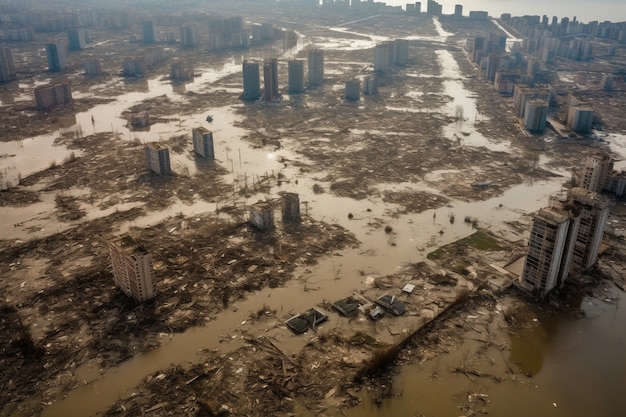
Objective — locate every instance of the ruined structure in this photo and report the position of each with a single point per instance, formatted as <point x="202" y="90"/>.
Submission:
<point x="203" y="142"/>
<point x="140" y="121"/>
<point x="132" y="269"/>
<point x="93" y="67"/>
<point x="596" y="169"/>
<point x="291" y="208"/>
<point x="565" y="239"/>
<point x="261" y="215"/>
<point x="548" y="240"/>
<point x="158" y="159"/>
<point x="134" y="67"/>
<point x="52" y="95"/>
<point x="594" y="212"/>
<point x="179" y="72"/>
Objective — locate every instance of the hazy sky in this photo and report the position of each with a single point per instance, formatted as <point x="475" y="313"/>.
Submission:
<point x="584" y="10"/>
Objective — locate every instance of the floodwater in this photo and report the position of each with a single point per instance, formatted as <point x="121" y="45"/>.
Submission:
<point x="564" y="367"/>
<point x="415" y="235"/>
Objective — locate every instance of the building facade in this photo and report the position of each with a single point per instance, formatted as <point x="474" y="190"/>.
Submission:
<point x="132" y="269"/>
<point x="49" y="96"/>
<point x="158" y="159"/>
<point x="203" y="142"/>
<point x="548" y="239"/>
<point x="251" y="81"/>
<point x="315" y="62"/>
<point x="7" y="65"/>
<point x="270" y="80"/>
<point x="536" y="116"/>
<point x="295" y="69"/>
<point x="57" y="57"/>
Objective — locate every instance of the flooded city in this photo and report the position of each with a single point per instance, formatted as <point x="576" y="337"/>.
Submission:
<point x="403" y="280"/>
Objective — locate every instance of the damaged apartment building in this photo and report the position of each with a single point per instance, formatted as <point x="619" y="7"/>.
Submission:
<point x="132" y="268"/>
<point x="566" y="237"/>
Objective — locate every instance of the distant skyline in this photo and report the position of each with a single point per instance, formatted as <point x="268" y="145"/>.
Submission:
<point x="585" y="11"/>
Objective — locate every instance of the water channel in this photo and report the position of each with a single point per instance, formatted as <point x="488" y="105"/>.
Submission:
<point x="415" y="235"/>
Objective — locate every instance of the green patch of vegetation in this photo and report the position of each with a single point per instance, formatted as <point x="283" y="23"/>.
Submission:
<point x="481" y="240"/>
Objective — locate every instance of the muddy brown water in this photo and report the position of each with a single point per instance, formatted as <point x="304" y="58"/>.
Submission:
<point x="566" y="367"/>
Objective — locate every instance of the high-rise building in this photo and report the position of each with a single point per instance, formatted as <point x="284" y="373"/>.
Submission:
<point x="132" y="268"/>
<point x="370" y="86"/>
<point x="158" y="159"/>
<point x="401" y="51"/>
<point x="434" y="8"/>
<point x="291" y="207"/>
<point x="261" y="215"/>
<point x="203" y="142"/>
<point x="316" y="67"/>
<point x="48" y="96"/>
<point x="352" y="90"/>
<point x="149" y="31"/>
<point x="134" y="67"/>
<point x="596" y="169"/>
<point x="295" y="68"/>
<point x="7" y="66"/>
<point x="458" y="10"/>
<point x="594" y="212"/>
<point x="381" y="57"/>
<point x="565" y="238"/>
<point x="57" y="57"/>
<point x="76" y="39"/>
<point x="188" y="35"/>
<point x="547" y="244"/>
<point x="270" y="80"/>
<point x="580" y="119"/>
<point x="536" y="115"/>
<point x="251" y="81"/>
<point x="493" y="60"/>
<point x="179" y="72"/>
<point x="93" y="67"/>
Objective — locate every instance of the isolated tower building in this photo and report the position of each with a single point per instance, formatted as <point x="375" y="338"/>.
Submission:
<point x="7" y="65"/>
<point x="57" y="57"/>
<point x="316" y="67"/>
<point x="158" y="159"/>
<point x="203" y="142"/>
<point x="295" y="68"/>
<point x="132" y="269"/>
<point x="270" y="80"/>
<point x="251" y="81"/>
<point x="291" y="207"/>
<point x="149" y="31"/>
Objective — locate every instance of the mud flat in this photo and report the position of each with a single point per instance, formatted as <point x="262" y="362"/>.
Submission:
<point x="395" y="189"/>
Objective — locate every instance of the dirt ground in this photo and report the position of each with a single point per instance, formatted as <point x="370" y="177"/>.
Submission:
<point x="60" y="309"/>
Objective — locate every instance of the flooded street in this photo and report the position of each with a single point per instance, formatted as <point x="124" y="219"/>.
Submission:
<point x="534" y="371"/>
